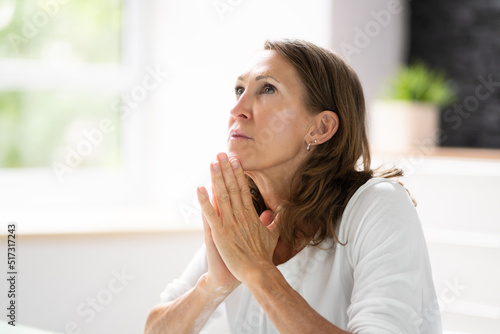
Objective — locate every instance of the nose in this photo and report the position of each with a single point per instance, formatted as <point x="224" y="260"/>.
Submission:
<point x="242" y="108"/>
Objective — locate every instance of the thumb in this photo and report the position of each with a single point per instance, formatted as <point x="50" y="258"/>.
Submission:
<point x="272" y="224"/>
<point x="273" y="227"/>
<point x="207" y="231"/>
<point x="266" y="217"/>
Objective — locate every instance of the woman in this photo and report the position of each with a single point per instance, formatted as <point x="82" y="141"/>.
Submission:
<point x="300" y="236"/>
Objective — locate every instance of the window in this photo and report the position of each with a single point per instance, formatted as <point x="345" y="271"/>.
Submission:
<point x="65" y="69"/>
<point x="49" y="38"/>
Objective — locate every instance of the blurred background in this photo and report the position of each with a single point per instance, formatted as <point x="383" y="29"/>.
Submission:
<point x="111" y="112"/>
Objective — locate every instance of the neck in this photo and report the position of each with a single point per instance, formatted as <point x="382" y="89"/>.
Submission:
<point x="274" y="181"/>
<point x="273" y="184"/>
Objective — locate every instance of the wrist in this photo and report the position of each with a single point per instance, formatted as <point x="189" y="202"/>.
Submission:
<point x="261" y="275"/>
<point x="214" y="291"/>
<point x="268" y="286"/>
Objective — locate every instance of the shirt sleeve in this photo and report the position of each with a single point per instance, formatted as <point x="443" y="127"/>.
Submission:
<point x="393" y="291"/>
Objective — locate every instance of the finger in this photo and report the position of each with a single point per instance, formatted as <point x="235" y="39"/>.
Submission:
<point x="207" y="236"/>
<point x="207" y="210"/>
<point x="221" y="194"/>
<point x="230" y="182"/>
<point x="214" y="203"/>
<point x="207" y="232"/>
<point x="246" y="196"/>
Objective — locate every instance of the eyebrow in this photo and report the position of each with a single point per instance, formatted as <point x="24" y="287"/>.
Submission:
<point x="260" y="77"/>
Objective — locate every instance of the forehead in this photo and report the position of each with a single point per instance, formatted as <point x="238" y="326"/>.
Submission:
<point x="270" y="62"/>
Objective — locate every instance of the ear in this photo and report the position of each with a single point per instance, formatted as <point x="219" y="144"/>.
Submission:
<point x="322" y="128"/>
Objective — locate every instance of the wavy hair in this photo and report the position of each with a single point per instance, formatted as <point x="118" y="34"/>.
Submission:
<point x="334" y="170"/>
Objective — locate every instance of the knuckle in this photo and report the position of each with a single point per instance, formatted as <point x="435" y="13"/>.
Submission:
<point x="245" y="190"/>
<point x="218" y="178"/>
<point x="211" y="215"/>
<point x="204" y="204"/>
<point x="226" y="167"/>
<point x="232" y="189"/>
<point x="224" y="198"/>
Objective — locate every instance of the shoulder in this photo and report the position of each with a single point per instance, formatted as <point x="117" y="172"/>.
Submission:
<point x="379" y="195"/>
<point x="379" y="190"/>
<point x="380" y="212"/>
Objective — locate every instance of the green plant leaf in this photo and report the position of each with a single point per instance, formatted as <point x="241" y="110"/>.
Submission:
<point x="418" y="82"/>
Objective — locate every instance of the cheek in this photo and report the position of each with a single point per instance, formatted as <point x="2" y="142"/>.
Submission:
<point x="289" y="143"/>
<point x="291" y="127"/>
<point x="283" y="142"/>
<point x="279" y="125"/>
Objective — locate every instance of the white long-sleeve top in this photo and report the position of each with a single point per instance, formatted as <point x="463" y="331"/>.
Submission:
<point x="379" y="282"/>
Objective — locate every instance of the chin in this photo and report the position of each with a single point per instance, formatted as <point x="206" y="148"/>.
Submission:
<point x="245" y="157"/>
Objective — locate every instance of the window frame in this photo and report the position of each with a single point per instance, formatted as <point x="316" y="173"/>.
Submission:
<point x="88" y="200"/>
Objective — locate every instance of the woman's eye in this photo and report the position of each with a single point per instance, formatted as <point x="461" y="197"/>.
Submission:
<point x="269" y="89"/>
<point x="238" y="91"/>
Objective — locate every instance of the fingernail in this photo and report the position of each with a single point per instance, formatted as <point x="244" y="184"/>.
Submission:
<point x="235" y="164"/>
<point x="200" y="191"/>
<point x="223" y="157"/>
<point x="215" y="166"/>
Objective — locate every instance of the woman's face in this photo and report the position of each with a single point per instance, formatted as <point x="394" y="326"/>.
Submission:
<point x="268" y="122"/>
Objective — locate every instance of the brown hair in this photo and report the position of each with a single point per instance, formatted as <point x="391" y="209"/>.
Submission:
<point x="334" y="170"/>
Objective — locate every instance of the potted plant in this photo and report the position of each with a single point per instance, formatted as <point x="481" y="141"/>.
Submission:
<point x="407" y="117"/>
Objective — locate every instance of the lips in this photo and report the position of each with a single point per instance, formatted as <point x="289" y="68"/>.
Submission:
<point x="237" y="134"/>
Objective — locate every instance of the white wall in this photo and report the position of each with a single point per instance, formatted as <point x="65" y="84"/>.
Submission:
<point x="59" y="273"/>
<point x="372" y="37"/>
<point x="457" y="202"/>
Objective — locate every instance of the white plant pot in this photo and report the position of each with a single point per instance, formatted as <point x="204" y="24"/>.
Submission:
<point x="402" y="126"/>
